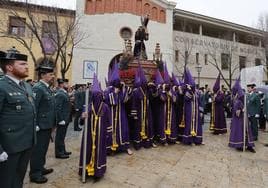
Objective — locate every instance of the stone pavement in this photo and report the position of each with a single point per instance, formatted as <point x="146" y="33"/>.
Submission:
<point x="211" y="165"/>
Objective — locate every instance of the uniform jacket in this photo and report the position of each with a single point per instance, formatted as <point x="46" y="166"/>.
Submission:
<point x="63" y="108"/>
<point x="45" y="106"/>
<point x="17" y="116"/>
<point x="253" y="104"/>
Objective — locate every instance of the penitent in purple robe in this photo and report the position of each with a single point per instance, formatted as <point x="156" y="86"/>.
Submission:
<point x="193" y="132"/>
<point x="98" y="122"/>
<point x="118" y="132"/>
<point x="219" y="121"/>
<point x="237" y="126"/>
<point x="167" y="127"/>
<point x="143" y="132"/>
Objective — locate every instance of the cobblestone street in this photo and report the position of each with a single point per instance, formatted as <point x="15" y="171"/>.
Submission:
<point x="211" y="165"/>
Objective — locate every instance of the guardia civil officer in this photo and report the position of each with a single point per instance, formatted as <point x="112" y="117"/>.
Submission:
<point x="45" y="108"/>
<point x="253" y="109"/>
<point x="63" y="110"/>
<point x="17" y="119"/>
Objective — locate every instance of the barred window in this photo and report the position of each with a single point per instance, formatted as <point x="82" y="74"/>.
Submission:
<point x="242" y="62"/>
<point x="225" y="58"/>
<point x="17" y="26"/>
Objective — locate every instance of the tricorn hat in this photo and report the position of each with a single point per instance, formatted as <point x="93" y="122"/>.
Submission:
<point x="45" y="66"/>
<point x="12" y="54"/>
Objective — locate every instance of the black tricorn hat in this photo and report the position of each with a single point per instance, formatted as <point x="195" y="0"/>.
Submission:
<point x="61" y="81"/>
<point x="12" y="54"/>
<point x="45" y="66"/>
<point x="251" y="85"/>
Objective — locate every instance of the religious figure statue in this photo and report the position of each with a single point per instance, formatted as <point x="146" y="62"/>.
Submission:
<point x="141" y="35"/>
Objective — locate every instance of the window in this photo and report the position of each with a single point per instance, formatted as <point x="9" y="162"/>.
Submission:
<point x="225" y="58"/>
<point x="49" y="30"/>
<point x="206" y="59"/>
<point x="186" y="57"/>
<point x="257" y="61"/>
<point x="17" y="26"/>
<point x="197" y="58"/>
<point x="176" y="55"/>
<point x="242" y="62"/>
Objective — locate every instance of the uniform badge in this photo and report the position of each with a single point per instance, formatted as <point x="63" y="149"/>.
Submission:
<point x="18" y="107"/>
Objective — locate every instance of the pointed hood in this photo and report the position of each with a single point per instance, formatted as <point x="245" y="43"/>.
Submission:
<point x="217" y="86"/>
<point x="166" y="75"/>
<point x="115" y="78"/>
<point x="236" y="86"/>
<point x="188" y="79"/>
<point x="158" y="78"/>
<point x="142" y="76"/>
<point x="96" y="85"/>
<point x="174" y="80"/>
<point x="137" y="81"/>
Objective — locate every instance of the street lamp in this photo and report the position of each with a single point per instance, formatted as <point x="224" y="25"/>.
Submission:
<point x="198" y="69"/>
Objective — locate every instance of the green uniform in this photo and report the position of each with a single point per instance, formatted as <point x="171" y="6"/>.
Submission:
<point x="17" y="130"/>
<point x="45" y="108"/>
<point x="63" y="110"/>
<point x="253" y="110"/>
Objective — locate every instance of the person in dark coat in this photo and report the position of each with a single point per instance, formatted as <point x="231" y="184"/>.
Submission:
<point x="253" y="109"/>
<point x="63" y="110"/>
<point x="17" y="119"/>
<point x="45" y="109"/>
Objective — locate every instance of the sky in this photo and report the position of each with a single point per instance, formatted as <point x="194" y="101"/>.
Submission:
<point x="244" y="12"/>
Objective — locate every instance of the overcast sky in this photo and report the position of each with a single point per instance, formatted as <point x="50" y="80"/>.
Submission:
<point x="244" y="12"/>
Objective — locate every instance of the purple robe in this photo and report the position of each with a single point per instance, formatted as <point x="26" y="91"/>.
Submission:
<point x="143" y="132"/>
<point x="118" y="132"/>
<point x="167" y="128"/>
<point x="237" y="127"/>
<point x="97" y="126"/>
<point x="219" y="121"/>
<point x="193" y="132"/>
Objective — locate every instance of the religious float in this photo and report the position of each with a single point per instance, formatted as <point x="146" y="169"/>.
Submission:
<point x="129" y="60"/>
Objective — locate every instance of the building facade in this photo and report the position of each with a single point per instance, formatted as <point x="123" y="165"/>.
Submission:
<point x="186" y="39"/>
<point x="15" y="32"/>
<point x="214" y="45"/>
<point x="102" y="20"/>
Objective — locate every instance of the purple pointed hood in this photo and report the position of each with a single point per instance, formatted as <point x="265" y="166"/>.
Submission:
<point x="96" y="85"/>
<point x="158" y="78"/>
<point x="142" y="77"/>
<point x="188" y="79"/>
<point x="174" y="80"/>
<point x="115" y="78"/>
<point x="216" y="86"/>
<point x="236" y="86"/>
<point x="137" y="81"/>
<point x="166" y="75"/>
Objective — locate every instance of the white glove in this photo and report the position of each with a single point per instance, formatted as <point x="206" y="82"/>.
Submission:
<point x="238" y="113"/>
<point x="62" y="122"/>
<point x="37" y="128"/>
<point x="3" y="156"/>
<point x="257" y="116"/>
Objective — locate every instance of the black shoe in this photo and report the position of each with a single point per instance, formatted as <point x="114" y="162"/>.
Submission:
<point x="251" y="149"/>
<point x="62" y="156"/>
<point x="67" y="153"/>
<point x="78" y="129"/>
<point x="239" y="149"/>
<point x="39" y="179"/>
<point x="266" y="145"/>
<point x="47" y="171"/>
